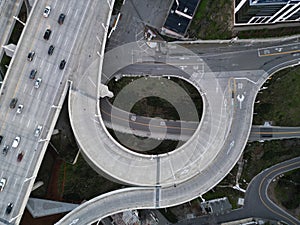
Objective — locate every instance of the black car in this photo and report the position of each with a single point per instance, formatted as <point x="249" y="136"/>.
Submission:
<point x="30" y="56"/>
<point x="47" y="34"/>
<point x="13" y="103"/>
<point x="50" y="50"/>
<point x="32" y="74"/>
<point x="5" y="150"/>
<point x="1" y="137"/>
<point x="61" y="18"/>
<point x="9" y="208"/>
<point x="62" y="64"/>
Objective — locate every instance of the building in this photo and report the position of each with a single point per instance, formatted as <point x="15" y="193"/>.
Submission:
<point x="180" y="17"/>
<point x="266" y="12"/>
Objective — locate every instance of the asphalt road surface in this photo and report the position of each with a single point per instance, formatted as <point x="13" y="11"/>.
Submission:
<point x="257" y="203"/>
<point x="40" y="104"/>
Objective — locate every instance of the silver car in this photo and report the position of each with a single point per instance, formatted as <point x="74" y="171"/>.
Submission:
<point x="2" y="183"/>
<point x="38" y="130"/>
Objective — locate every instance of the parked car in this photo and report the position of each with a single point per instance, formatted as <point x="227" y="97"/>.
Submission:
<point x="50" y="50"/>
<point x="13" y="103"/>
<point x="62" y="64"/>
<point x="30" y="56"/>
<point x="1" y="137"/>
<point x="47" y="34"/>
<point x="47" y="11"/>
<point x="20" y="109"/>
<point x="32" y="74"/>
<point x="9" y="208"/>
<point x="5" y="150"/>
<point x="16" y="142"/>
<point x="20" y="156"/>
<point x="61" y="18"/>
<point x="38" y="130"/>
<point x="37" y="82"/>
<point x="2" y="183"/>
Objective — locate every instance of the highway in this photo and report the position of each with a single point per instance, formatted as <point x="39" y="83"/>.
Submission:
<point x="228" y="93"/>
<point x="257" y="203"/>
<point x="41" y="105"/>
<point x="226" y="80"/>
<point x="180" y="130"/>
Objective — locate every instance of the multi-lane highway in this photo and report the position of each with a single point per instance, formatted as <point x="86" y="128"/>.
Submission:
<point x="41" y="105"/>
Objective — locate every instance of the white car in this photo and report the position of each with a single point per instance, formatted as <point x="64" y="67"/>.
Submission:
<point x="37" y="82"/>
<point x="2" y="184"/>
<point x="20" y="108"/>
<point x="16" y="142"/>
<point x="38" y="130"/>
<point x="47" y="11"/>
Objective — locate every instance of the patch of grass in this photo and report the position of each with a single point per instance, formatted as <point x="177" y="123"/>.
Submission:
<point x="259" y="156"/>
<point x="280" y="103"/>
<point x="287" y="190"/>
<point x="170" y="216"/>
<point x="212" y="20"/>
<point x="82" y="182"/>
<point x="43" y="175"/>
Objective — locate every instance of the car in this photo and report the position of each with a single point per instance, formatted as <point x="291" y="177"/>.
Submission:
<point x="50" y="50"/>
<point x="37" y="82"/>
<point x="20" y="156"/>
<point x="47" y="34"/>
<point x="38" y="130"/>
<point x="1" y="137"/>
<point x="47" y="11"/>
<point x="9" y="208"/>
<point x="13" y="103"/>
<point x="16" y="142"/>
<point x="20" y="108"/>
<point x="2" y="183"/>
<point x="62" y="64"/>
<point x="30" y="56"/>
<point x="32" y="74"/>
<point x="133" y="118"/>
<point x="61" y="18"/>
<point x="5" y="150"/>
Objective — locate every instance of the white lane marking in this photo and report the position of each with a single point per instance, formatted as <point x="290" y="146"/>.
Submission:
<point x="15" y="180"/>
<point x="21" y="119"/>
<point x="41" y="65"/>
<point x="62" y="7"/>
<point x="58" y="38"/>
<point x="39" y="94"/>
<point x="55" y="3"/>
<point x="76" y="12"/>
<point x="48" y="67"/>
<point x="25" y="86"/>
<point x="46" y="95"/>
<point x="65" y="42"/>
<point x="92" y="81"/>
<point x="31" y="91"/>
<point x="68" y="11"/>
<point x="55" y="70"/>
<point x="14" y="117"/>
<point x="28" y="123"/>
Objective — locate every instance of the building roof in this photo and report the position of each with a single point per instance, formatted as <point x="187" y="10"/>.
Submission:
<point x="180" y="16"/>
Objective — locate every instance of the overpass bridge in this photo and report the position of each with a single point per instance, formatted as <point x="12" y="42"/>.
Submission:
<point x="228" y="84"/>
<point x="41" y="105"/>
